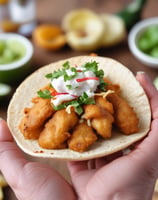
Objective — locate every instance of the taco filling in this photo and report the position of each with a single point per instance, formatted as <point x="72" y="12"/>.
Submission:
<point x="77" y="108"/>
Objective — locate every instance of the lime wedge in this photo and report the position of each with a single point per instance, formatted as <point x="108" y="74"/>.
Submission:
<point x="4" y="90"/>
<point x="156" y="83"/>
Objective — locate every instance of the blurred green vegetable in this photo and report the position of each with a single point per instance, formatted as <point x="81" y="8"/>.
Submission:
<point x="2" y="46"/>
<point x="132" y="13"/>
<point x="11" y="51"/>
<point x="148" y="41"/>
<point x="5" y="91"/>
<point x="154" y="52"/>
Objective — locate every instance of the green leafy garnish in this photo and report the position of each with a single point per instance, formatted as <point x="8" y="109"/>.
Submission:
<point x="89" y="66"/>
<point x="73" y="103"/>
<point x="93" y="66"/>
<point x="69" y="77"/>
<point x="77" y="103"/>
<point x="78" y="110"/>
<point x="84" y="99"/>
<point x="66" y="65"/>
<point x="102" y="85"/>
<point x="71" y="74"/>
<point x="57" y="74"/>
<point x="45" y="94"/>
<point x="69" y="87"/>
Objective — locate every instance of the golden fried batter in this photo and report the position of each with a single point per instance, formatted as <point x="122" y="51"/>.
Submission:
<point x="112" y="86"/>
<point x="82" y="137"/>
<point x="125" y="117"/>
<point x="93" y="111"/>
<point x="61" y="129"/>
<point x="103" y="125"/>
<point x="35" y="117"/>
<point x="29" y="133"/>
<point x="104" y="103"/>
<point x="56" y="130"/>
<point x="101" y="118"/>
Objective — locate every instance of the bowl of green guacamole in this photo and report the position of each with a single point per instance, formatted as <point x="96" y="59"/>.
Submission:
<point x="143" y="41"/>
<point x="16" y="53"/>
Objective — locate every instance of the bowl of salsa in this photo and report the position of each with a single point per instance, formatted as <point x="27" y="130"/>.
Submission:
<point x="16" y="53"/>
<point x="143" y="41"/>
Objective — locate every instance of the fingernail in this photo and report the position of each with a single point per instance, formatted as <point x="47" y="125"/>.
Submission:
<point x="140" y="72"/>
<point x="1" y="118"/>
<point x="146" y="77"/>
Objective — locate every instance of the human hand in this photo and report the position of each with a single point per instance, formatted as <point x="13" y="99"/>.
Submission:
<point x="30" y="180"/>
<point x="123" y="177"/>
<point x="119" y="176"/>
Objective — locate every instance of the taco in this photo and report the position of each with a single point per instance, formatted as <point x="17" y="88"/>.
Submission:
<point x="83" y="120"/>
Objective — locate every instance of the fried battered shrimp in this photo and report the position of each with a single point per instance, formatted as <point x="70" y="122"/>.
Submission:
<point x="112" y="86"/>
<point x="93" y="111"/>
<point x="56" y="130"/>
<point x="29" y="134"/>
<point x="103" y="125"/>
<point x="125" y="117"/>
<point x="104" y="103"/>
<point x="35" y="117"/>
<point x="101" y="118"/>
<point x="82" y="137"/>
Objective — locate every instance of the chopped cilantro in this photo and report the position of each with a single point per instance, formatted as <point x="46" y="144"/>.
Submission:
<point x="89" y="66"/>
<point x="59" y="107"/>
<point x="48" y="75"/>
<point x="102" y="85"/>
<point x="93" y="66"/>
<point x="83" y="99"/>
<point x="69" y="77"/>
<point x="74" y="103"/>
<point x="66" y="65"/>
<point x="45" y="94"/>
<point x="62" y="72"/>
<point x="77" y="103"/>
<point x="69" y="87"/>
<point x="79" y="110"/>
<point x="55" y="74"/>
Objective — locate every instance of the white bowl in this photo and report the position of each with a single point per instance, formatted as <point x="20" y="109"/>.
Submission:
<point x="16" y="70"/>
<point x="133" y="36"/>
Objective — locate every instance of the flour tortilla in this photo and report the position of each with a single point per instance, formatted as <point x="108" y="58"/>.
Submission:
<point x="114" y="71"/>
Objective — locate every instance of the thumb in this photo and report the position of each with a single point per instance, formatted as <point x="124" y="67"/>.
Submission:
<point x="4" y="132"/>
<point x="11" y="158"/>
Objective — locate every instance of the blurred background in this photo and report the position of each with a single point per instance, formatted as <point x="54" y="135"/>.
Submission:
<point x="39" y="20"/>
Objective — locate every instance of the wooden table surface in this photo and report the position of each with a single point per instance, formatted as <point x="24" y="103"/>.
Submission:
<point x="49" y="11"/>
